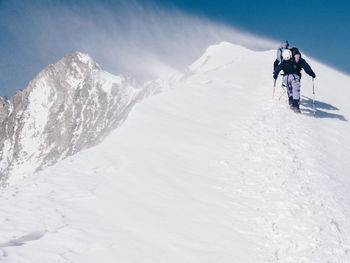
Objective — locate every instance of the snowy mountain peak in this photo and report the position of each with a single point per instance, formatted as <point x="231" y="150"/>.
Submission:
<point x="84" y="58"/>
<point x="69" y="106"/>
<point x="80" y="61"/>
<point x="219" y="55"/>
<point x="68" y="71"/>
<point x="225" y="46"/>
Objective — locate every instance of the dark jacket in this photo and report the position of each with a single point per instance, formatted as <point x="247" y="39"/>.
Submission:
<point x="292" y="67"/>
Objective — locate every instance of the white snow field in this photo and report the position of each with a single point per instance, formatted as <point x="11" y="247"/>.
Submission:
<point x="212" y="169"/>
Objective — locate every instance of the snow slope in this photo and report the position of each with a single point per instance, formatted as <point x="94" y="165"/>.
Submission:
<point x="210" y="170"/>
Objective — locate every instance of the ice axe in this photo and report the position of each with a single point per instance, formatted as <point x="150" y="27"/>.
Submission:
<point x="274" y="87"/>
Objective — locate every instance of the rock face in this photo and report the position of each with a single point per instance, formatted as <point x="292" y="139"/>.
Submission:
<point x="69" y="106"/>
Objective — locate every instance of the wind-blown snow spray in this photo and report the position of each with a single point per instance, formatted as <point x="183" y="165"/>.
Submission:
<point x="143" y="39"/>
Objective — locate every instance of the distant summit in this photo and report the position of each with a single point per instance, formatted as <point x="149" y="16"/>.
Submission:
<point x="68" y="107"/>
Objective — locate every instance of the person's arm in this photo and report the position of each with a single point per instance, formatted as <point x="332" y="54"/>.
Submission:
<point x="307" y="68"/>
<point x="277" y="70"/>
<point x="275" y="64"/>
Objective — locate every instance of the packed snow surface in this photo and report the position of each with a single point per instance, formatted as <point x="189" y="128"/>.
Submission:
<point x="210" y="170"/>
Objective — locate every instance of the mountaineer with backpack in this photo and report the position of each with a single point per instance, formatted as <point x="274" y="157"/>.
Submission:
<point x="292" y="63"/>
<point x="279" y="53"/>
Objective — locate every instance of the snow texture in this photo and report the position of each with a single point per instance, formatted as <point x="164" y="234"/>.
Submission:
<point x="209" y="170"/>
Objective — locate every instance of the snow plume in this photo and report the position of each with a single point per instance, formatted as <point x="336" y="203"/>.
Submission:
<point x="144" y="39"/>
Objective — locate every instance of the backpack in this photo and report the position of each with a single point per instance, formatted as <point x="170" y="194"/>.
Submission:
<point x="280" y="50"/>
<point x="295" y="51"/>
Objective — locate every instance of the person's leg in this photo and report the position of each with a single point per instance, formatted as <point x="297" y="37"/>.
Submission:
<point x="296" y="91"/>
<point x="288" y="85"/>
<point x="296" y="87"/>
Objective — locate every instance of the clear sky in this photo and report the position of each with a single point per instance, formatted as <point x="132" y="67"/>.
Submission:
<point x="154" y="35"/>
<point x="319" y="27"/>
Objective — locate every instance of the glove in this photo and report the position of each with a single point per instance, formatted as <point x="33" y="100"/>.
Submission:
<point x="275" y="76"/>
<point x="313" y="76"/>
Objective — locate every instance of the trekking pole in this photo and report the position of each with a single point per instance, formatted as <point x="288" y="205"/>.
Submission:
<point x="313" y="99"/>
<point x="274" y="87"/>
<point x="284" y="91"/>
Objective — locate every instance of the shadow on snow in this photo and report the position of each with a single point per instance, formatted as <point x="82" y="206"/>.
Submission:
<point x="321" y="106"/>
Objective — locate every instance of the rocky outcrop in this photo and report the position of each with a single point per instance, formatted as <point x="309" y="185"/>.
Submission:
<point x="69" y="106"/>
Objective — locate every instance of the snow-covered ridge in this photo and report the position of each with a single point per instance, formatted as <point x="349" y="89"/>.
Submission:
<point x="69" y="106"/>
<point x="210" y="170"/>
<point x="220" y="55"/>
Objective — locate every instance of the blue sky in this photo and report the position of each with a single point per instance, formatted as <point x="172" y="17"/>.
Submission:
<point x="319" y="27"/>
<point x="148" y="37"/>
